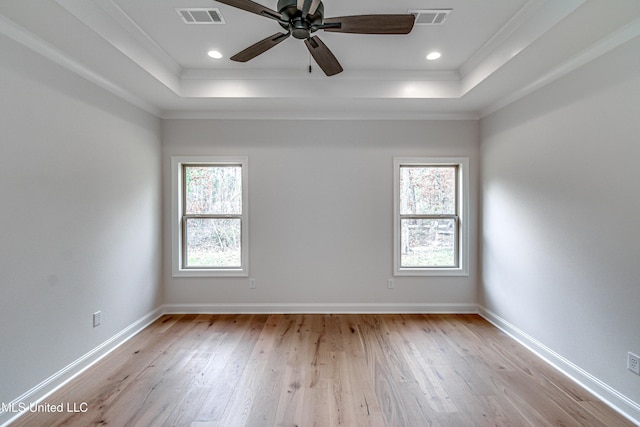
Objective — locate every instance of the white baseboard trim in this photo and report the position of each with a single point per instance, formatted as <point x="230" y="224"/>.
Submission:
<point x="66" y="374"/>
<point x="315" y="308"/>
<point x="616" y="400"/>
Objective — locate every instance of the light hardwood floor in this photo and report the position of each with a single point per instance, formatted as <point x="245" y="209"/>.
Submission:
<point x="323" y="370"/>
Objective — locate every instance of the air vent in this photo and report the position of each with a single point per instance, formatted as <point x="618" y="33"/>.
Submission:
<point x="431" y="16"/>
<point x="201" y="16"/>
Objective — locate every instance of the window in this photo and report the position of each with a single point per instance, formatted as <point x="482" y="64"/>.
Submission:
<point x="210" y="236"/>
<point x="430" y="231"/>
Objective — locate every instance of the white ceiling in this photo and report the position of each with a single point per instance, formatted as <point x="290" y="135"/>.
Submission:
<point x="494" y="51"/>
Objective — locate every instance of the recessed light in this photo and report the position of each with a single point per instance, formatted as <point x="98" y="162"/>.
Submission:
<point x="432" y="56"/>
<point x="214" y="54"/>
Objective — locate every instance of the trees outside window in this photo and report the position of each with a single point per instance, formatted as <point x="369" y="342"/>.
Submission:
<point x="212" y="216"/>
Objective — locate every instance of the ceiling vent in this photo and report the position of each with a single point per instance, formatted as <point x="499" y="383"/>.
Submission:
<point x="430" y="16"/>
<point x="201" y="16"/>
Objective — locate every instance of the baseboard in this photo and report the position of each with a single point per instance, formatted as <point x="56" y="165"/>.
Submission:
<point x="319" y="308"/>
<point x="616" y="400"/>
<point x="63" y="376"/>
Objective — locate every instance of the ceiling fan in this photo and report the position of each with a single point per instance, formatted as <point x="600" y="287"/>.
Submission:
<point x="302" y="18"/>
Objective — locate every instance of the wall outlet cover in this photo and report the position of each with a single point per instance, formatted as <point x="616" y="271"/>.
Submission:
<point x="633" y="363"/>
<point x="97" y="318"/>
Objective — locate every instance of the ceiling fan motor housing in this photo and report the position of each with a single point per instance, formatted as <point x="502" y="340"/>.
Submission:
<point x="299" y="26"/>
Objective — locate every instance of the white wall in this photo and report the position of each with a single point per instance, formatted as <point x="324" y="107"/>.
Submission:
<point x="321" y="211"/>
<point x="560" y="230"/>
<point x="80" y="217"/>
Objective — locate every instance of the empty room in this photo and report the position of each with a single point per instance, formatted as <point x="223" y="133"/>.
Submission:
<point x="319" y="213"/>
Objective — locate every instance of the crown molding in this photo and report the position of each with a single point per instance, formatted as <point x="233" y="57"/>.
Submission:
<point x="108" y="20"/>
<point x="20" y="35"/>
<point x="314" y="115"/>
<point x="288" y="74"/>
<point x="607" y="44"/>
<point x="535" y="19"/>
<point x="501" y="36"/>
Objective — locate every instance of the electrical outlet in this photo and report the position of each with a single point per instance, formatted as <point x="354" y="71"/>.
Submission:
<point x="633" y="363"/>
<point x="391" y="284"/>
<point x="97" y="319"/>
<point x="252" y="283"/>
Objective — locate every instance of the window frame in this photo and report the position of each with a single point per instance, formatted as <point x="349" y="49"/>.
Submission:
<point x="461" y="244"/>
<point x="179" y="218"/>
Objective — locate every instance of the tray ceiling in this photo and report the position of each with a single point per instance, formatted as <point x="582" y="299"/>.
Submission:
<point x="493" y="52"/>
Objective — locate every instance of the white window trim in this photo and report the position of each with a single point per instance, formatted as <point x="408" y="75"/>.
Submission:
<point x="463" y="169"/>
<point x="176" y="208"/>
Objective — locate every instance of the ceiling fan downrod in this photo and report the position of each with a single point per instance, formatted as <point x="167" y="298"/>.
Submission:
<point x="301" y="17"/>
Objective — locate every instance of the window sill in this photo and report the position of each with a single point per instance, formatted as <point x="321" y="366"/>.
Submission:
<point x="434" y="272"/>
<point x="210" y="273"/>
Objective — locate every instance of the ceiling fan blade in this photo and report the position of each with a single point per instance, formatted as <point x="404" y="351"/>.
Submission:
<point x="314" y="6"/>
<point x="253" y="7"/>
<point x="323" y="56"/>
<point x="259" y="48"/>
<point x="308" y="7"/>
<point x="370" y="24"/>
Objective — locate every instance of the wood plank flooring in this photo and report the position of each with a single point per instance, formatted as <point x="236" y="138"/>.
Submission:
<point x="323" y="370"/>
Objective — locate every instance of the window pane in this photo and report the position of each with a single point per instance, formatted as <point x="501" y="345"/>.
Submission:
<point x="428" y="190"/>
<point x="213" y="190"/>
<point x="428" y="243"/>
<point x="213" y="242"/>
